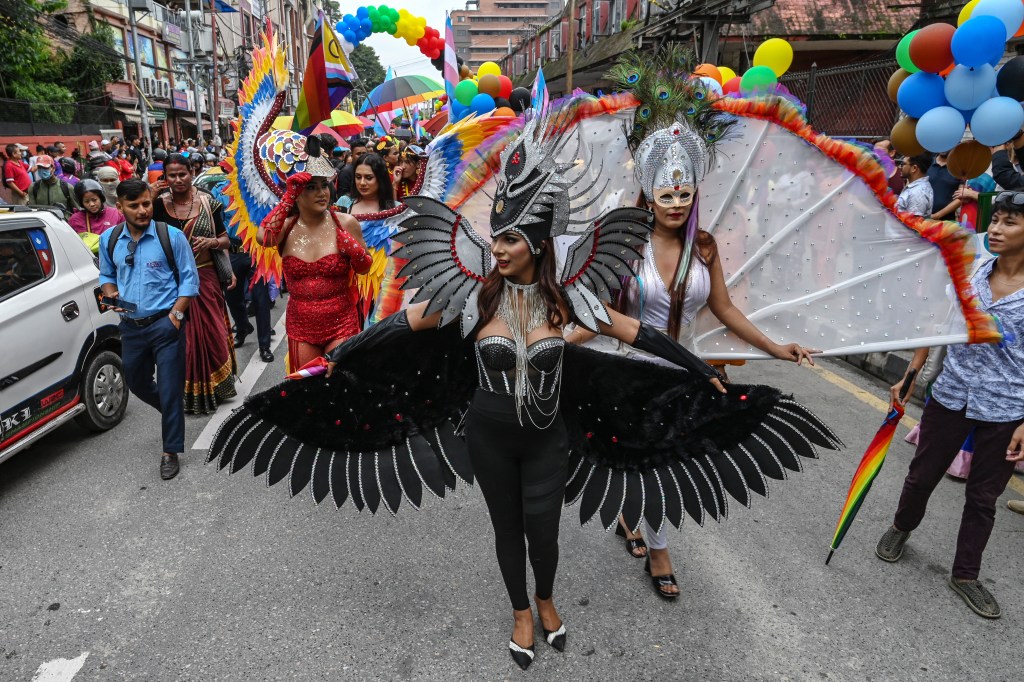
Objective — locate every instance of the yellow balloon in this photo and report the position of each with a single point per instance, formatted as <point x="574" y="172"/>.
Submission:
<point x="727" y="73"/>
<point x="488" y="69"/>
<point x="776" y="54"/>
<point x="966" y="12"/>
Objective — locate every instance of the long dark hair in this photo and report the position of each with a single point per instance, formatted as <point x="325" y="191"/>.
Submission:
<point x="490" y="292"/>
<point x="705" y="248"/>
<point x="385" y="190"/>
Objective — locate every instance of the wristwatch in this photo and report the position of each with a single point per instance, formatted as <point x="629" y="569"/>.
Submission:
<point x="178" y="315"/>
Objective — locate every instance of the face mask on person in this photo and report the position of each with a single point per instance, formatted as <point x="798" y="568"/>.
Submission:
<point x="45" y="173"/>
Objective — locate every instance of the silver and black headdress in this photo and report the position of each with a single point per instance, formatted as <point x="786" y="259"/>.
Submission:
<point x="533" y="197"/>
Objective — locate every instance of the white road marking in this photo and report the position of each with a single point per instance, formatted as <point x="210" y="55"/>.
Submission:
<point x="247" y="381"/>
<point x="60" y="669"/>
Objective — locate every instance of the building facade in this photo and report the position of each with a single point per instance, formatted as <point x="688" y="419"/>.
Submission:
<point x="486" y="29"/>
<point x="222" y="43"/>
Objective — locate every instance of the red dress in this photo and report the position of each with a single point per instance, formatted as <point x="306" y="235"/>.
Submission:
<point x="322" y="296"/>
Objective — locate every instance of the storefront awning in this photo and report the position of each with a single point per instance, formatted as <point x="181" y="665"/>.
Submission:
<point x="192" y="121"/>
<point x="130" y="115"/>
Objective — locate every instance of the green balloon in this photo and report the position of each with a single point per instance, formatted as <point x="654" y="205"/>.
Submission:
<point x="465" y="91"/>
<point x="903" y="53"/>
<point x="758" y="80"/>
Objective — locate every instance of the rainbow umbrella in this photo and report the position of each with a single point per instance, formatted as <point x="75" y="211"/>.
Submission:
<point x="401" y="92"/>
<point x="344" y="123"/>
<point x="870" y="464"/>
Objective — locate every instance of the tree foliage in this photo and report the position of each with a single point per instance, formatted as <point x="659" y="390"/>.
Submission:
<point x="87" y="70"/>
<point x="26" y="51"/>
<point x="367" y="65"/>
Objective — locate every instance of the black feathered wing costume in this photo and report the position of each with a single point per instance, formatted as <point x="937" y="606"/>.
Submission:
<point x="646" y="442"/>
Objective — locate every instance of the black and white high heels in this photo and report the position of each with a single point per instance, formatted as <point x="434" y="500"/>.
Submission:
<point x="523" y="656"/>
<point x="556" y="638"/>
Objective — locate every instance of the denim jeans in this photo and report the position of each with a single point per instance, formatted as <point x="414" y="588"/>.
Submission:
<point x="242" y="265"/>
<point x="158" y="347"/>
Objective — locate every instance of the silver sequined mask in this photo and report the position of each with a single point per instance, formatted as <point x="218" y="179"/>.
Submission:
<point x="671" y="157"/>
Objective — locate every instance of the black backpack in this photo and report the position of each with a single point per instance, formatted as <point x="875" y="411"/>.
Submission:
<point x="165" y="242"/>
<point x="65" y="188"/>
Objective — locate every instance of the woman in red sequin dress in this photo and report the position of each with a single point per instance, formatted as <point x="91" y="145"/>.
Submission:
<point x="322" y="250"/>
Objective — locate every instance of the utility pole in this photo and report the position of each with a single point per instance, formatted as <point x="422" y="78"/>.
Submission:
<point x="572" y="47"/>
<point x="143" y="105"/>
<point x="213" y="80"/>
<point x="192" y="68"/>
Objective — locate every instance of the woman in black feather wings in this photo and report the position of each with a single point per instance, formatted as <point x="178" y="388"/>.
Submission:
<point x="646" y="444"/>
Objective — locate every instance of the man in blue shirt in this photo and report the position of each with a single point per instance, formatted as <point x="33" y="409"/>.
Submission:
<point x="980" y="388"/>
<point x="152" y="335"/>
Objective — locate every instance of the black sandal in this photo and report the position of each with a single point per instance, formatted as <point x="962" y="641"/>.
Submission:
<point x="632" y="544"/>
<point x="660" y="581"/>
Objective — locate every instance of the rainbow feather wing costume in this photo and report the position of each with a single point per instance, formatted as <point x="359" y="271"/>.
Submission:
<point x="813" y="248"/>
<point x="251" y="190"/>
<point x="380" y="290"/>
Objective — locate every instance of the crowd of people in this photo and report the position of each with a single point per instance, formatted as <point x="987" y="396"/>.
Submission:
<point x="134" y="205"/>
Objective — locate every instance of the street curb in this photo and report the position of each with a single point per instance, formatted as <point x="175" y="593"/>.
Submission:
<point x="889" y="367"/>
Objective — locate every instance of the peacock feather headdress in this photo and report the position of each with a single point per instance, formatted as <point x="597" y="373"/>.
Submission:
<point x="676" y="127"/>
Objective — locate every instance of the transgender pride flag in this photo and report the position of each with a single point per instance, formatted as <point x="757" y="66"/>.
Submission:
<point x="451" y="65"/>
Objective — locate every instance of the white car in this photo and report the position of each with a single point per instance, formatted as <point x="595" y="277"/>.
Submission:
<point x="60" y="355"/>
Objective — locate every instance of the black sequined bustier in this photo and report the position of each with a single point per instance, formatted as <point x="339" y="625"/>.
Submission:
<point x="496" y="364"/>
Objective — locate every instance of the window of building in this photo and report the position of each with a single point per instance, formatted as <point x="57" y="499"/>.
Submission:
<point x="461" y="33"/>
<point x="462" y="19"/>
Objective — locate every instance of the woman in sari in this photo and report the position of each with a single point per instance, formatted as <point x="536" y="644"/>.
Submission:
<point x="209" y="349"/>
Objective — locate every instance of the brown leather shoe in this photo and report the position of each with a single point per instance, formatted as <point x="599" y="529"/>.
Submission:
<point x="1016" y="505"/>
<point x="168" y="467"/>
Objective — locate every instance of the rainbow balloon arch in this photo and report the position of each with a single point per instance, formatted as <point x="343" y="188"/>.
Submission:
<point x="353" y="29"/>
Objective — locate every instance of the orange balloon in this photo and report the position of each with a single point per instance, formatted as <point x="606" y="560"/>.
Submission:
<point x="489" y="85"/>
<point x="904" y="137"/>
<point x="504" y="111"/>
<point x="968" y="160"/>
<point x="946" y="71"/>
<point x="709" y="70"/>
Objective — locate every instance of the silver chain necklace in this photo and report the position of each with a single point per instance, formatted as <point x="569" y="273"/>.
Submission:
<point x="522" y="309"/>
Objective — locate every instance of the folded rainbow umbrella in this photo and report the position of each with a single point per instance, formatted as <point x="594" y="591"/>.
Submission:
<point x="313" y="368"/>
<point x="870" y="464"/>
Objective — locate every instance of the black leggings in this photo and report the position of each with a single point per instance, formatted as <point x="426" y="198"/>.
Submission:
<point x="522" y="472"/>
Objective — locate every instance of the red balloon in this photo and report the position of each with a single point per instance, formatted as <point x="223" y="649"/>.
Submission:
<point x="732" y="86"/>
<point x="931" y="50"/>
<point x="506" y="87"/>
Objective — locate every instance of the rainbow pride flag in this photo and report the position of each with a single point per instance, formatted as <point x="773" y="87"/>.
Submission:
<point x="328" y="79"/>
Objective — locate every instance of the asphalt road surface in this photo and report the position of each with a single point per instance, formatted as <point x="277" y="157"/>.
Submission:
<point x="109" y="573"/>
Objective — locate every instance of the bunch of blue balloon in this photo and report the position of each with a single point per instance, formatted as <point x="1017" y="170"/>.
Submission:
<point x="947" y="80"/>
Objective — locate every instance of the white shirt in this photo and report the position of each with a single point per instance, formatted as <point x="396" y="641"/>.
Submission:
<point x="917" y="198"/>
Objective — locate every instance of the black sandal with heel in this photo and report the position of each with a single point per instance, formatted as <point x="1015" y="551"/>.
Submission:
<point x="660" y="581"/>
<point x="632" y="544"/>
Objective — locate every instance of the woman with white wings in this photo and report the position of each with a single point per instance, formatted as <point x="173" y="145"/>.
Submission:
<point x="680" y="271"/>
<point x="545" y="421"/>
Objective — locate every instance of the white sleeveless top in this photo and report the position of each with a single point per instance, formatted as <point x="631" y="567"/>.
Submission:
<point x="650" y="300"/>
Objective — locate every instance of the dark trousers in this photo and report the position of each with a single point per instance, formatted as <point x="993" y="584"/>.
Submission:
<point x="158" y="347"/>
<point x="942" y="433"/>
<point x="522" y="471"/>
<point x="242" y="265"/>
